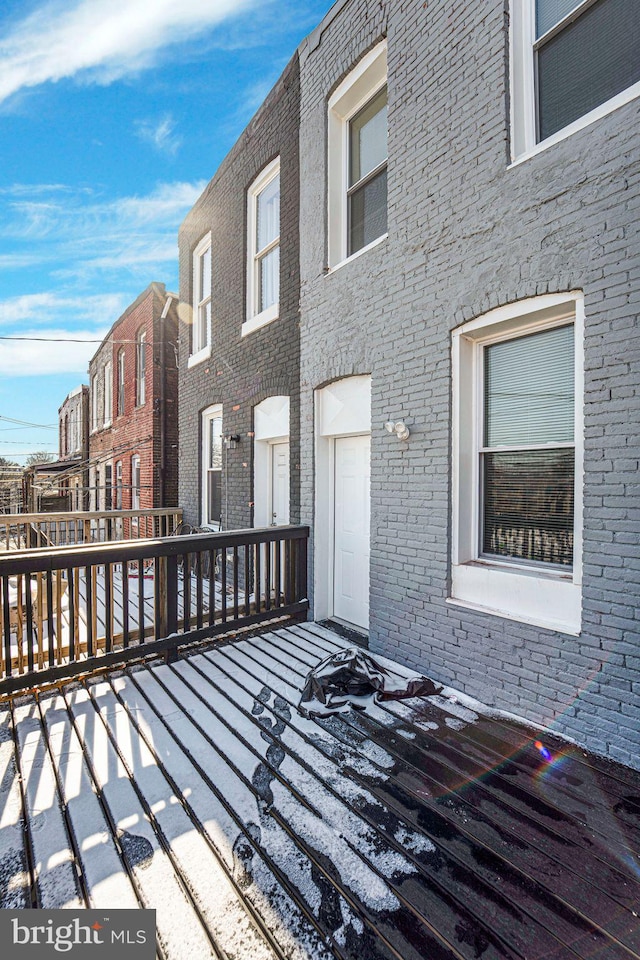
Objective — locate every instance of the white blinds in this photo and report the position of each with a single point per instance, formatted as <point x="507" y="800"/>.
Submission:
<point x="529" y="389"/>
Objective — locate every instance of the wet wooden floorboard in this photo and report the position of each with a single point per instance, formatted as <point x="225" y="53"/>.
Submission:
<point x="417" y="830"/>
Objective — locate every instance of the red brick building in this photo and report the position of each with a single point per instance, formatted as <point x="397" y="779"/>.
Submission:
<point x="133" y="401"/>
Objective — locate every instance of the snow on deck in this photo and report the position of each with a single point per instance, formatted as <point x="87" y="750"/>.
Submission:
<point x="419" y="830"/>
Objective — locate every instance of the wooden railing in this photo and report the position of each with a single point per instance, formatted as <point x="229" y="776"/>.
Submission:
<point x="28" y="531"/>
<point x="69" y="610"/>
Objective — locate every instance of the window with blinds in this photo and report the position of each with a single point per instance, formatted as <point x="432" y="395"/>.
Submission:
<point x="367" y="185"/>
<point x="528" y="458"/>
<point x="585" y="54"/>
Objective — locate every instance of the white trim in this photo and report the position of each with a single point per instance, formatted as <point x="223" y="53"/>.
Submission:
<point x="522" y="38"/>
<point x="203" y="245"/>
<point x="255" y="320"/>
<point x="358" y="253"/>
<point x="260" y="320"/>
<point x="107" y="394"/>
<point x="530" y="593"/>
<point x="136" y="488"/>
<point x="342" y="408"/>
<point x="271" y="419"/>
<point x="209" y="413"/>
<point x="366" y="79"/>
<point x="198" y="357"/>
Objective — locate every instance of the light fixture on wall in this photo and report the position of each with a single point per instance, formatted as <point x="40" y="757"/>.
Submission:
<point x="398" y="427"/>
<point x="231" y="440"/>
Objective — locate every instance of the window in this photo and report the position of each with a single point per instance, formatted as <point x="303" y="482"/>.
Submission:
<point x="357" y="160"/>
<point x="108" y="394"/>
<point x="94" y="402"/>
<point x="517" y="500"/>
<point x="141" y="367"/>
<point x="120" y="409"/>
<point x="212" y="466"/>
<point x="108" y="487"/>
<point x="135" y="482"/>
<point x="201" y="329"/>
<point x="263" y="254"/>
<point x="119" y="485"/>
<point x="572" y="62"/>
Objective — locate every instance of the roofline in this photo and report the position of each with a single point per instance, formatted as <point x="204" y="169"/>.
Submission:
<point x="156" y="286"/>
<point x="312" y="41"/>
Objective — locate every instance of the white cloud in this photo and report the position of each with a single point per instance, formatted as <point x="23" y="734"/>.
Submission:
<point x="50" y="307"/>
<point x="161" y="135"/>
<point x="101" y="40"/>
<point x="81" y="234"/>
<point x="34" y="358"/>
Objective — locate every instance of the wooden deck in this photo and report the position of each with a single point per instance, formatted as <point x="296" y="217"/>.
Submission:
<point x="421" y="830"/>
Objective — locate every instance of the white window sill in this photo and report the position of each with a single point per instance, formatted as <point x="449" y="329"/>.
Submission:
<point x="596" y="114"/>
<point x="526" y="596"/>
<point x="260" y="320"/>
<point x="199" y="356"/>
<point x="358" y="253"/>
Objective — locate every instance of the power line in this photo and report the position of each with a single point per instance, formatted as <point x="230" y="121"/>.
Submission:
<point x="27" y="423"/>
<point x="65" y="340"/>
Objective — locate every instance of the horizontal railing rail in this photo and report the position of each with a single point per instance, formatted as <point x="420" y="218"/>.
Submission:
<point x="69" y="610"/>
<point x="29" y="531"/>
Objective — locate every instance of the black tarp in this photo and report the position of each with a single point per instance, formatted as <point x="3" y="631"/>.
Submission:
<point x="352" y="679"/>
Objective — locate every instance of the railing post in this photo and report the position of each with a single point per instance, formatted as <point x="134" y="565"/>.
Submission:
<point x="167" y="601"/>
<point x="301" y="570"/>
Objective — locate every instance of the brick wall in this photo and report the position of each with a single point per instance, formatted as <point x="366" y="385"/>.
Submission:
<point x="137" y="431"/>
<point x="467" y="233"/>
<point x="242" y="371"/>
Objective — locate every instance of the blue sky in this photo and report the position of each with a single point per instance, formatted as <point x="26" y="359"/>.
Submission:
<point x="114" y="114"/>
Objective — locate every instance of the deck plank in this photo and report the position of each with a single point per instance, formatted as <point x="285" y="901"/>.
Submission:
<point x="108" y="885"/>
<point x="151" y="869"/>
<point x="53" y="857"/>
<point x="420" y="829"/>
<point x="14" y="870"/>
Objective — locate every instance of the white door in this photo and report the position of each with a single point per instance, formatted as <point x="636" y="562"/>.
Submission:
<point x="279" y="484"/>
<point x="351" y="530"/>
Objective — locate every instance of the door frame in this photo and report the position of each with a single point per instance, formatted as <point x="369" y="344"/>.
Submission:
<point x="270" y="425"/>
<point x="342" y="409"/>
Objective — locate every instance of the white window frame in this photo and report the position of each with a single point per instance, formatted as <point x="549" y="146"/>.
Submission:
<point x="200" y="345"/>
<point x="258" y="318"/>
<point x="121" y="368"/>
<point x="94" y="403"/>
<point x="522" y="34"/>
<point x="141" y="372"/>
<point x="544" y="596"/>
<point x="211" y="413"/>
<point x="118" y="486"/>
<point x="107" y="396"/>
<point x="366" y="79"/>
<point x="136" y="487"/>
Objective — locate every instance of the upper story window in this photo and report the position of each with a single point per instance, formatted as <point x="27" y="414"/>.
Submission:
<point x="141" y="367"/>
<point x="121" y="369"/>
<point x="107" y="394"/>
<point x="517" y="462"/>
<point x="357" y="158"/>
<point x="263" y="248"/>
<point x="572" y="62"/>
<point x="201" y="328"/>
<point x="94" y="402"/>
